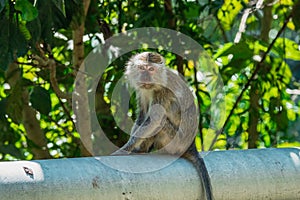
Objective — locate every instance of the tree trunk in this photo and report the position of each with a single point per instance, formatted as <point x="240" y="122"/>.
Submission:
<point x="82" y="109"/>
<point x="266" y="22"/>
<point x="253" y="117"/>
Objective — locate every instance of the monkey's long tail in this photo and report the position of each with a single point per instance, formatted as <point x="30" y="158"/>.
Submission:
<point x="193" y="155"/>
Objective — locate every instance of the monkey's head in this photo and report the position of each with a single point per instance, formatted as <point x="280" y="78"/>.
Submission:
<point x="146" y="71"/>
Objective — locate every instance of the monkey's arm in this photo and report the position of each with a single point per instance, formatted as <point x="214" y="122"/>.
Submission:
<point x="145" y="131"/>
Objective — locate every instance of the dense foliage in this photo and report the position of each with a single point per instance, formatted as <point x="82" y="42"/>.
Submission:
<point x="255" y="45"/>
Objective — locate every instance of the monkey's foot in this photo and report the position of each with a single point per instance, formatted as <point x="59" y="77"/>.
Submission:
<point x="120" y="152"/>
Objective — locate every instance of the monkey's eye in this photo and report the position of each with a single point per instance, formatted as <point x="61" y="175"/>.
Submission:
<point x="141" y="67"/>
<point x="151" y="68"/>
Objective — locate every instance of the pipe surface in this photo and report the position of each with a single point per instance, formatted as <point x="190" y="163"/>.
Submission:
<point x="235" y="174"/>
<point x="255" y="174"/>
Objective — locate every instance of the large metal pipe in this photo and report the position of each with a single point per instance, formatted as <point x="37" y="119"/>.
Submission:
<point x="255" y="174"/>
<point x="244" y="174"/>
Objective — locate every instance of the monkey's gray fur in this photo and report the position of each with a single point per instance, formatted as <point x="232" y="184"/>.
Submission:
<point x="167" y="117"/>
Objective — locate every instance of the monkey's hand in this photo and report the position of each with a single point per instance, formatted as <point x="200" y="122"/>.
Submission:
<point x="154" y="123"/>
<point x="144" y="132"/>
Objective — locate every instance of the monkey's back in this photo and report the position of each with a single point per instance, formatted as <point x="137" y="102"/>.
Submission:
<point x="180" y="126"/>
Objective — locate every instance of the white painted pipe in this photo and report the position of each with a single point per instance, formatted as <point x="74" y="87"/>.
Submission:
<point x="245" y="174"/>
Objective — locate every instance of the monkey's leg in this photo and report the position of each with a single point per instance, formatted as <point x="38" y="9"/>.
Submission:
<point x="142" y="139"/>
<point x="193" y="155"/>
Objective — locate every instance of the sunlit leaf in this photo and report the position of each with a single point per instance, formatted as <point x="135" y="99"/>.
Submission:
<point x="289" y="47"/>
<point x="228" y="12"/>
<point x="23" y="29"/>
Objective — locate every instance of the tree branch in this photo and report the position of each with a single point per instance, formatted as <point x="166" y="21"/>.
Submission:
<point x="51" y="64"/>
<point x="242" y="26"/>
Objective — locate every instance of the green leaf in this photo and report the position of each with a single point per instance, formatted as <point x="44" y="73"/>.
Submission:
<point x="239" y="51"/>
<point x="192" y="10"/>
<point x="60" y="5"/>
<point x="5" y="55"/>
<point x="11" y="150"/>
<point x="2" y="5"/>
<point x="24" y="30"/>
<point x="17" y="41"/>
<point x="40" y="100"/>
<point x="12" y="43"/>
<point x="296" y="14"/>
<point x="34" y="28"/>
<point x="2" y="109"/>
<point x="29" y="12"/>
<point x="289" y="47"/>
<point x="228" y="12"/>
<point x="51" y="19"/>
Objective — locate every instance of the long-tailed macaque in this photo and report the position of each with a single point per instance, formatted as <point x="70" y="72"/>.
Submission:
<point x="167" y="117"/>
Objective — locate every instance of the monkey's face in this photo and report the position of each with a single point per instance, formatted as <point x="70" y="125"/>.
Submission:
<point x="147" y="74"/>
<point x="146" y="71"/>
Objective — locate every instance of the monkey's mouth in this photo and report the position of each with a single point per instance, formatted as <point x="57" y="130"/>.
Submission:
<point x="146" y="85"/>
